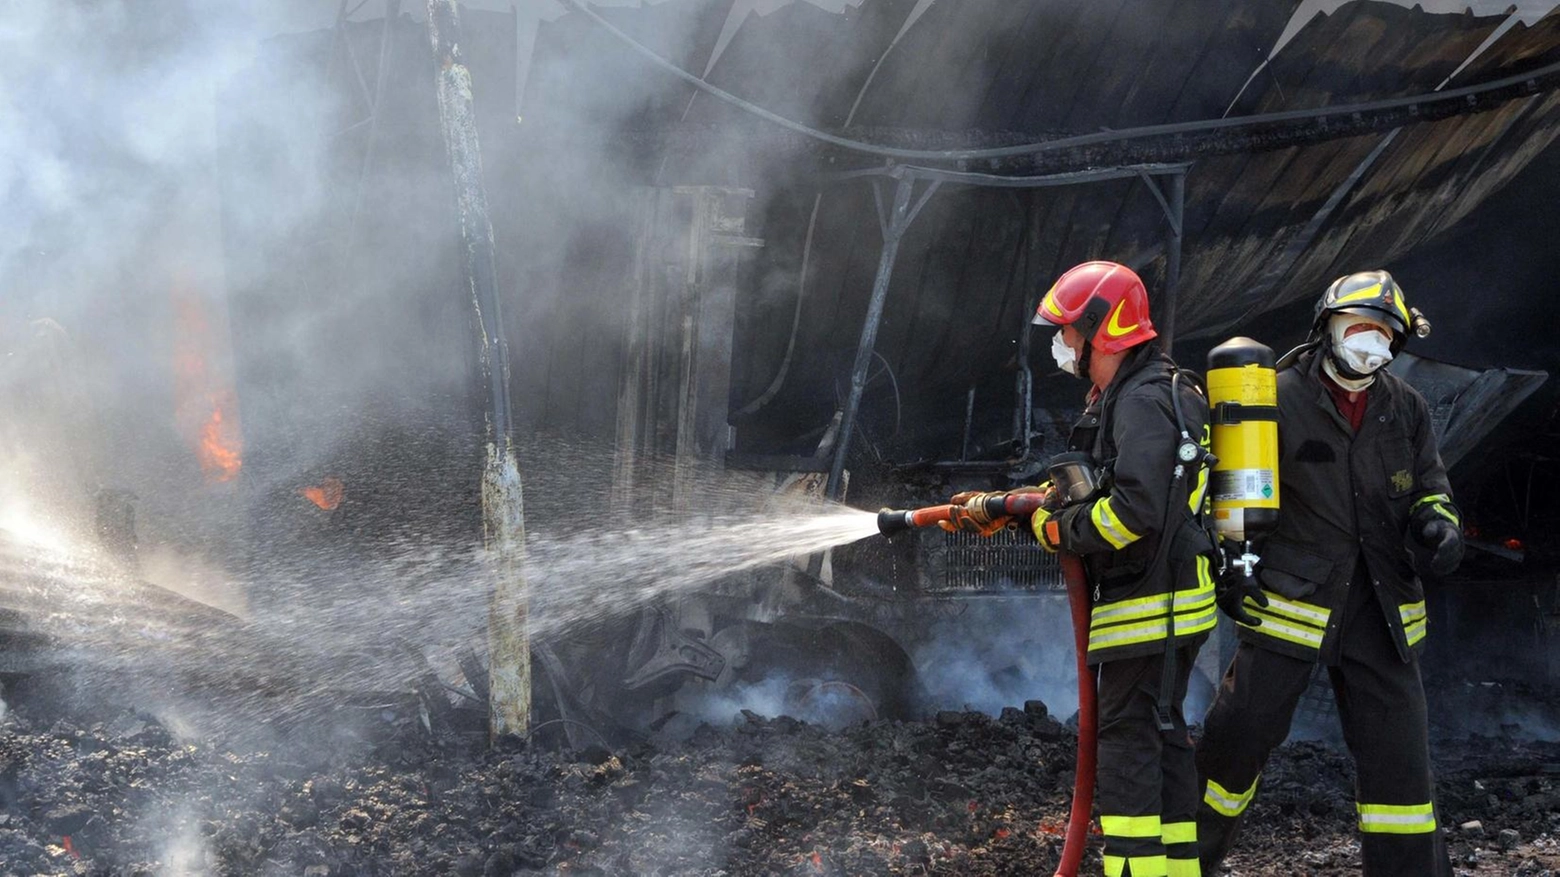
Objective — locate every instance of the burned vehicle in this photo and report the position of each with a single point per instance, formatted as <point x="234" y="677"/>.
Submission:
<point x="836" y="306"/>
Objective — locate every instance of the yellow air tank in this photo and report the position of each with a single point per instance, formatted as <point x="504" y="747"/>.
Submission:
<point x="1243" y="393"/>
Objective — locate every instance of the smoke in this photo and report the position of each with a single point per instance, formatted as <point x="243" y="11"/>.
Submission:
<point x="986" y="655"/>
<point x="229" y="274"/>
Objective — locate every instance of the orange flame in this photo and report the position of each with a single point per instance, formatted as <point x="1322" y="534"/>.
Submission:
<point x="206" y="406"/>
<point x="327" y="495"/>
<point x="221" y="448"/>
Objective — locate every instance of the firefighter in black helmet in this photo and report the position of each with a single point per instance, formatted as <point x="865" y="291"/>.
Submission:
<point x="1366" y="508"/>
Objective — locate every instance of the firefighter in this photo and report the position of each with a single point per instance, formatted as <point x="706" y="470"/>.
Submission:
<point x="1147" y="554"/>
<point x="1366" y="502"/>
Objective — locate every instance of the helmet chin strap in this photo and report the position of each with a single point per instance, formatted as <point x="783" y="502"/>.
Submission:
<point x="1083" y="360"/>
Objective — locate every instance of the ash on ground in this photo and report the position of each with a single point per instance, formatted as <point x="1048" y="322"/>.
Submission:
<point x="959" y="793"/>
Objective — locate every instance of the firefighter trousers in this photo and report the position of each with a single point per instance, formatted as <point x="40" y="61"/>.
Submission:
<point x="1381" y="704"/>
<point x="1146" y="779"/>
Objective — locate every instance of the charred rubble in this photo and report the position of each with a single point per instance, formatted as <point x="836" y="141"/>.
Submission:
<point x="960" y="793"/>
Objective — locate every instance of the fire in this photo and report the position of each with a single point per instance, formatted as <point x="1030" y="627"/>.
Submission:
<point x="327" y="494"/>
<point x="221" y="449"/>
<point x="206" y="407"/>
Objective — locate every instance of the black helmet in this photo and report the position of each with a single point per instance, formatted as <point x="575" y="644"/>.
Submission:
<point x="1371" y="294"/>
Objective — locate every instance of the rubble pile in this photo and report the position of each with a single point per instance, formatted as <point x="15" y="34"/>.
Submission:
<point x="963" y="793"/>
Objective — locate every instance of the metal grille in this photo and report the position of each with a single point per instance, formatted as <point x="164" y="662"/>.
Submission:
<point x="1009" y="562"/>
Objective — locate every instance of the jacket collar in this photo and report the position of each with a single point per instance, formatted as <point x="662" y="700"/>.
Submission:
<point x="1378" y="399"/>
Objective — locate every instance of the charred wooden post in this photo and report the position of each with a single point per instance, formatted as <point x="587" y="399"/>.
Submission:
<point x="503" y="511"/>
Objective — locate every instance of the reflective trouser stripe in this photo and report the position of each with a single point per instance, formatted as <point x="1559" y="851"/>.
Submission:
<point x="1130" y="832"/>
<point x="1130" y="826"/>
<point x="1179" y="833"/>
<point x="1397" y="818"/>
<point x="1110" y="527"/>
<point x="1142" y="866"/>
<point x="1180" y="840"/>
<point x="1227" y="803"/>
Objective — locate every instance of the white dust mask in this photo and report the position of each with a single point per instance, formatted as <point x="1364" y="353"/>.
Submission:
<point x="1066" y="358"/>
<point x="1363" y="352"/>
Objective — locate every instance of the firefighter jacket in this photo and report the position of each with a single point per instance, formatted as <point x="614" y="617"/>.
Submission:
<point x="1348" y="497"/>
<point x="1141" y="596"/>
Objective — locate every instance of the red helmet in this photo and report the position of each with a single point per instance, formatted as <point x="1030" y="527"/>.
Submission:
<point x="1104" y="301"/>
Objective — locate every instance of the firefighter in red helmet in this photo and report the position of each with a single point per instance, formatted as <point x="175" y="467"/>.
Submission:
<point x="1148" y="555"/>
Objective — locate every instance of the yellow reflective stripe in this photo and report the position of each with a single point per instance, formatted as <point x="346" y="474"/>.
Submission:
<point x="1195" y="599"/>
<point x="1128" y="610"/>
<point x="1204" y="572"/>
<point x="1052" y="306"/>
<point x="1414" y="632"/>
<point x="1142" y="866"/>
<point x="1149" y="866"/>
<point x="1158" y="604"/>
<point x="1397" y="818"/>
<point x="1187" y="625"/>
<point x="1438" y="503"/>
<point x="1109" y="526"/>
<point x="1179" y="833"/>
<point x="1305" y="613"/>
<point x="1128" y="634"/>
<point x="1130" y="826"/>
<point x="1273" y="627"/>
<point x="1183" y="867"/>
<point x="1371" y="291"/>
<point x="1414" y="621"/>
<point x="1195" y="501"/>
<point x="1037" y="521"/>
<point x="1226" y="803"/>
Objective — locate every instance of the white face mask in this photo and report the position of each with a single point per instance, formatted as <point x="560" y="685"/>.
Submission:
<point x="1066" y="358"/>
<point x="1363" y="352"/>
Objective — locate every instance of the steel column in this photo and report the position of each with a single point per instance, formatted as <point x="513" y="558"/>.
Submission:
<point x="503" y="509"/>
<point x="894" y="224"/>
<point x="1176" y="213"/>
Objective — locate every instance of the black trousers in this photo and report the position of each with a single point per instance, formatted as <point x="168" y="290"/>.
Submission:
<point x="1381" y="704"/>
<point x="1147" y="778"/>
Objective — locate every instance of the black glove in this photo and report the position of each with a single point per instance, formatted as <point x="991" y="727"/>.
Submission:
<point x="1231" y="591"/>
<point x="1442" y="537"/>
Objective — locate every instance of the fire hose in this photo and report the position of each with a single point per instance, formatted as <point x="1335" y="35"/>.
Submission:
<point x="998" y="505"/>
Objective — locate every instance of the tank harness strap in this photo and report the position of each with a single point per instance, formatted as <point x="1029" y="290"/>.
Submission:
<point x="1169" y="538"/>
